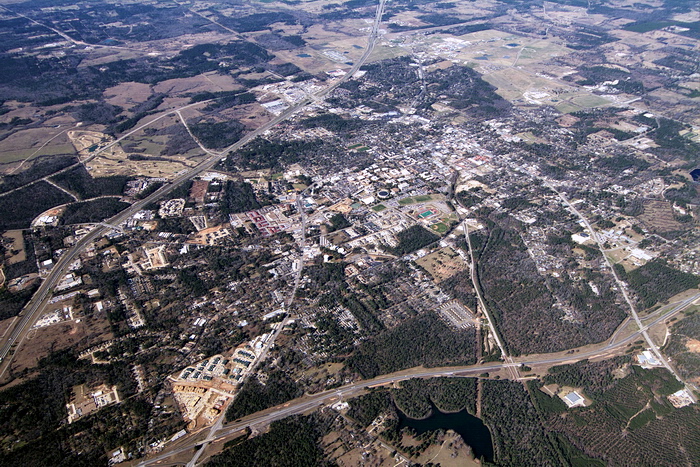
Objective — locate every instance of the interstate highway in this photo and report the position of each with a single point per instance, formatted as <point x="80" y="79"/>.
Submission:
<point x="309" y="402"/>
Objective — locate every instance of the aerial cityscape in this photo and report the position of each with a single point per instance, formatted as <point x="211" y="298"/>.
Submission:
<point x="349" y="233"/>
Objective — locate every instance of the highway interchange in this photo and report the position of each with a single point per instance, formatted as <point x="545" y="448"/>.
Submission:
<point x="310" y="402"/>
<point x="32" y="310"/>
<point x="13" y="339"/>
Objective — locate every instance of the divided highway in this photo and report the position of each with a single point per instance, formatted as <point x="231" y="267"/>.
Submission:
<point x="32" y="310"/>
<point x="314" y="401"/>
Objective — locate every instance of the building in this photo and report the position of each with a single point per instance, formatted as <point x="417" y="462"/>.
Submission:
<point x="85" y="401"/>
<point x="574" y="399"/>
<point x="580" y="238"/>
<point x="647" y="360"/>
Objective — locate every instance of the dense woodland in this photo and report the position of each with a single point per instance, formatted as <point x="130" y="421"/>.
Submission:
<point x="12" y="303"/>
<point x="265" y="154"/>
<point x="60" y="80"/>
<point x="628" y="416"/>
<point x="522" y="301"/>
<point x="529" y="427"/>
<point x="34" y="411"/>
<point x="37" y="169"/>
<point x="657" y="282"/>
<point x="255" y="396"/>
<point x="217" y="135"/>
<point x="417" y="397"/>
<point x="292" y="442"/>
<point x="92" y="211"/>
<point x="519" y="438"/>
<point x="412" y="239"/>
<point x="424" y="340"/>
<point x="22" y="206"/>
<point x="240" y="197"/>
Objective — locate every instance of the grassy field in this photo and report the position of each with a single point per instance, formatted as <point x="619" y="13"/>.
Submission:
<point x="442" y="264"/>
<point x="590" y="100"/>
<point x="567" y="107"/>
<point x="17" y="246"/>
<point x="414" y="200"/>
<point x="440" y="228"/>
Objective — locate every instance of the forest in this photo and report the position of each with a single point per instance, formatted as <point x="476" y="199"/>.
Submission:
<point x="423" y="340"/>
<point x="34" y="431"/>
<point x="12" y="303"/>
<point x="416" y="396"/>
<point x="518" y="436"/>
<point x="21" y="207"/>
<point x="37" y="169"/>
<point x="412" y="239"/>
<point x="80" y="182"/>
<point x="292" y="442"/>
<point x="265" y="154"/>
<point x="522" y="302"/>
<point x="656" y="282"/>
<point x="217" y="135"/>
<point x="240" y="197"/>
<point x="254" y="396"/>
<point x="629" y="415"/>
<point x="95" y="210"/>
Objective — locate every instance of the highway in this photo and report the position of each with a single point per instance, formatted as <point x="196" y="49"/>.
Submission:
<point x="477" y="288"/>
<point x="473" y="272"/>
<point x="31" y="312"/>
<point x="216" y="427"/>
<point x="270" y="342"/>
<point x="623" y="288"/>
<point x="33" y="309"/>
<point x="314" y="401"/>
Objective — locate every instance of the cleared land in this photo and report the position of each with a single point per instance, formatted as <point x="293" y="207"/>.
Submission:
<point x="442" y="264"/>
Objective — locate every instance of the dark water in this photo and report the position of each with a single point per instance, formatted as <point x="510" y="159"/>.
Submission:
<point x="471" y="429"/>
<point x="695" y="174"/>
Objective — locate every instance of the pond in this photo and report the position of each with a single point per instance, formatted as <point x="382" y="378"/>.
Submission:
<point x="470" y="428"/>
<point x="696" y="175"/>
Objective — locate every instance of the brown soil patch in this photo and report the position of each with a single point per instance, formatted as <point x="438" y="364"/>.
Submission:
<point x="41" y="342"/>
<point x="15" y="252"/>
<point x="28" y="143"/>
<point x="211" y="82"/>
<point x="442" y="264"/>
<point x="127" y="95"/>
<point x="659" y="216"/>
<point x="693" y="345"/>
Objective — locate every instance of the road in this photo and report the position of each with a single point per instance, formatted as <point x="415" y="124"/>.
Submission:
<point x="32" y="310"/>
<point x="623" y="288"/>
<point x="310" y="402"/>
<point x="473" y="272"/>
<point x="68" y="38"/>
<point x="475" y="281"/>
<point x="212" y="433"/>
<point x="108" y="146"/>
<point x="270" y="342"/>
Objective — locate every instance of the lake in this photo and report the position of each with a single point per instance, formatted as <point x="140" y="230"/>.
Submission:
<point x="470" y="428"/>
